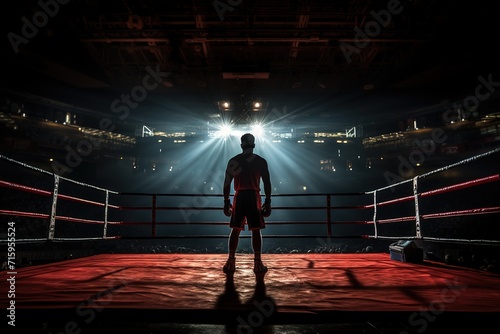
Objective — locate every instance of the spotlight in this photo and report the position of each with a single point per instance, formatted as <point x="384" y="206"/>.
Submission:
<point x="222" y="131"/>
<point x="225" y="130"/>
<point x="258" y="129"/>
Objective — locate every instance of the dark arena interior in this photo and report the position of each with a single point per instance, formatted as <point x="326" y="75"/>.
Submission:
<point x="379" y="121"/>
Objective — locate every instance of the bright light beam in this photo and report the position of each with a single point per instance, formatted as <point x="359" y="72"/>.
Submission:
<point x="258" y="130"/>
<point x="225" y="130"/>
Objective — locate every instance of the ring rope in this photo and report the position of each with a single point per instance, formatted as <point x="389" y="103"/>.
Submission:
<point x="85" y="221"/>
<point x="220" y="208"/>
<point x="24" y="214"/>
<point x="392" y="201"/>
<point x="480" y="241"/>
<point x="469" y="212"/>
<point x="225" y="223"/>
<point x="270" y="236"/>
<point x="462" y="185"/>
<point x="154" y="208"/>
<point x="442" y="169"/>
<point x="53" y="174"/>
<point x="86" y="201"/>
<point x="13" y="185"/>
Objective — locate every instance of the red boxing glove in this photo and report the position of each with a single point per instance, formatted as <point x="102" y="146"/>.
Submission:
<point x="266" y="208"/>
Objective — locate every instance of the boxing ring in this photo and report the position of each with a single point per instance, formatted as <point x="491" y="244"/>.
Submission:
<point x="112" y="287"/>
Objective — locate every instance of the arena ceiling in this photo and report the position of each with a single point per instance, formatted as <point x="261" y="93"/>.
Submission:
<point x="322" y="62"/>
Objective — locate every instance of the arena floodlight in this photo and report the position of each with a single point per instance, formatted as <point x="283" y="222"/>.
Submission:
<point x="225" y="130"/>
<point x="221" y="129"/>
<point x="258" y="129"/>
